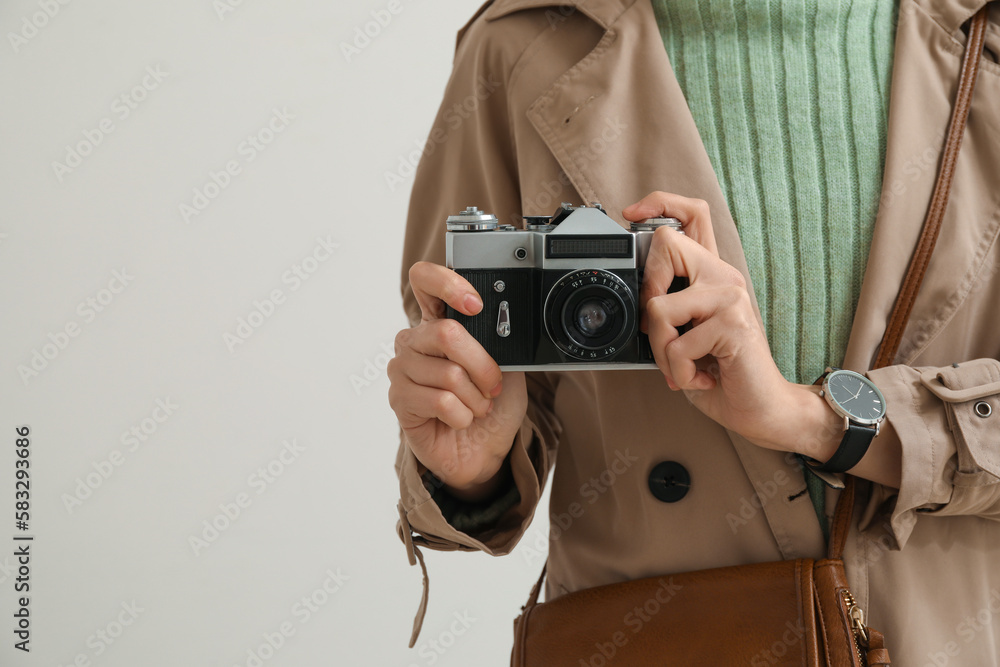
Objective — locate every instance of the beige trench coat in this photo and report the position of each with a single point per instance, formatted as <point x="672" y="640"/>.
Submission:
<point x="575" y="100"/>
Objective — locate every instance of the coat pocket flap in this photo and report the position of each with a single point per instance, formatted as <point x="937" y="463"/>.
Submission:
<point x="963" y="382"/>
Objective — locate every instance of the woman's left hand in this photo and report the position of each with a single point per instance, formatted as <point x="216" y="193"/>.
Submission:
<point x="723" y="362"/>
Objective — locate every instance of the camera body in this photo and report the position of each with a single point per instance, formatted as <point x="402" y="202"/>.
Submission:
<point x="560" y="294"/>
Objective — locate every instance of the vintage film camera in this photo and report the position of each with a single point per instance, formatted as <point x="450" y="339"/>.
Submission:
<point x="561" y="294"/>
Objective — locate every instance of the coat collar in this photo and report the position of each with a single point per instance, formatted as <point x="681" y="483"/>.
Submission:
<point x="950" y="14"/>
<point x="603" y="12"/>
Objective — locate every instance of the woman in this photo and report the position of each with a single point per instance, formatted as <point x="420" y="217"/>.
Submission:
<point x="795" y="261"/>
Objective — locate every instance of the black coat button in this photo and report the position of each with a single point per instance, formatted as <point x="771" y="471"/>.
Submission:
<point x="669" y="481"/>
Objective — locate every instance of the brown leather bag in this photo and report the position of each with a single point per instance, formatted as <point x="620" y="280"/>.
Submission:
<point x="796" y="612"/>
<point x="793" y="612"/>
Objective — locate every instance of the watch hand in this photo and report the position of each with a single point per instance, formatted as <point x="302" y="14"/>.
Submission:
<point x="852" y="397"/>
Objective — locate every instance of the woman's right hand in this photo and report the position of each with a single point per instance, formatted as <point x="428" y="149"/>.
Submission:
<point x="458" y="412"/>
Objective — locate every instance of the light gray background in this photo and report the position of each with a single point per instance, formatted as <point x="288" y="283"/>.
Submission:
<point x="64" y="234"/>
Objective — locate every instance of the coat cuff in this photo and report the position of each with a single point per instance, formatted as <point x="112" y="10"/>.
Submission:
<point x="421" y="522"/>
<point x="474" y="518"/>
<point x="423" y="515"/>
<point x="951" y="451"/>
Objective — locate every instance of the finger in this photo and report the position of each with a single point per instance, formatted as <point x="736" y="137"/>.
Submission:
<point x="444" y="374"/>
<point x="694" y="214"/>
<point x="661" y="333"/>
<point x="435" y="285"/>
<point x="449" y="339"/>
<point x="695" y="304"/>
<point x="672" y="254"/>
<point x="415" y="404"/>
<point x="711" y="310"/>
<point x="683" y="353"/>
<point x="676" y="354"/>
<point x="732" y="337"/>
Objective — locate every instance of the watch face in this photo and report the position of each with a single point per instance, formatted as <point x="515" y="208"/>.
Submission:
<point x="856" y="395"/>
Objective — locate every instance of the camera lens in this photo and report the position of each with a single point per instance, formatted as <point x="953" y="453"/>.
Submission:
<point x="592" y="317"/>
<point x="590" y="314"/>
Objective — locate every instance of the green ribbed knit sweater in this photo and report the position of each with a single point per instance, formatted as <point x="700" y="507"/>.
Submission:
<point x="790" y="98"/>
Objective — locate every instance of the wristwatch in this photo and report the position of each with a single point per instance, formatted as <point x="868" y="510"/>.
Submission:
<point x="855" y="398"/>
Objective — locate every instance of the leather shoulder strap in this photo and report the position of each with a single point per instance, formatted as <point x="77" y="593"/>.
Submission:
<point x="939" y="199"/>
<point x="536" y="589"/>
<point x="841" y="520"/>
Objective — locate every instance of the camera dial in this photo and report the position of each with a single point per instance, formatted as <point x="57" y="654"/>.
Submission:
<point x="472" y="220"/>
<point x="652" y="224"/>
<point x="538" y="223"/>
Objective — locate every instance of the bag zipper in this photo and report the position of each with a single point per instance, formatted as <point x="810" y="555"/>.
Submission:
<point x="857" y="616"/>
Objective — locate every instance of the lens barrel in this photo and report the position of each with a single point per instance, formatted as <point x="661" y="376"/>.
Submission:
<point x="590" y="314"/>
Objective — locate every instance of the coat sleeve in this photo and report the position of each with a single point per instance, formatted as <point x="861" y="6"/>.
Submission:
<point x="469" y="159"/>
<point x="947" y="420"/>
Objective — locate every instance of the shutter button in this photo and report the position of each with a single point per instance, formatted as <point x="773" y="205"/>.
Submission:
<point x="669" y="481"/>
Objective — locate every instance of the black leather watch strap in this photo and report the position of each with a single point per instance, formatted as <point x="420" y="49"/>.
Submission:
<point x="854" y="446"/>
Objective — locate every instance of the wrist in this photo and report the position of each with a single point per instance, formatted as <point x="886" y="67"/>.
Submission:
<point x="805" y="425"/>
<point x="482" y="489"/>
<point x="823" y="430"/>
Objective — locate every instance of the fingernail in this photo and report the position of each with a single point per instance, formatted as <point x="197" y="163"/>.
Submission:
<point x="495" y="391"/>
<point x="473" y="304"/>
<point x="671" y="384"/>
<point x="489" y="409"/>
